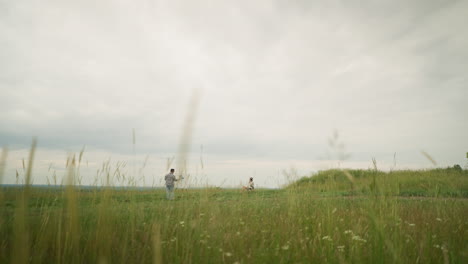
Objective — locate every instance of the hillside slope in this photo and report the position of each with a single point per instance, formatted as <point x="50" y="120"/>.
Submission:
<point x="451" y="182"/>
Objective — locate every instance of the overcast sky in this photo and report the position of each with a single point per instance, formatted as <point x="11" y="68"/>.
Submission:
<point x="274" y="79"/>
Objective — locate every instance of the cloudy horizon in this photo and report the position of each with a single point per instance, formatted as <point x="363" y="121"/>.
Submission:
<point x="275" y="80"/>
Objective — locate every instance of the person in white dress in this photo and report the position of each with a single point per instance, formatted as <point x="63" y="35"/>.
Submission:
<point x="250" y="186"/>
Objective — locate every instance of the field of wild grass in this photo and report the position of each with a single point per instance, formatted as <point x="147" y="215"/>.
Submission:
<point x="332" y="217"/>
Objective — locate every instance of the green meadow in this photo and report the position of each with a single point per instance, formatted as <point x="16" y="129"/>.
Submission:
<point x="336" y="216"/>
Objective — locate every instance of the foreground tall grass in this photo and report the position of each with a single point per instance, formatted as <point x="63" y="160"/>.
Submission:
<point x="304" y="223"/>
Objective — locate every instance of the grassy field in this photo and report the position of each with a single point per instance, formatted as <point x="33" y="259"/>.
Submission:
<point x="333" y="217"/>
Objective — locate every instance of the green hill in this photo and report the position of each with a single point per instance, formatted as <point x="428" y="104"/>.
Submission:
<point x="449" y="182"/>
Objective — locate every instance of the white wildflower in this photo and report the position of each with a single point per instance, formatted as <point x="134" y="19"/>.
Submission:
<point x="228" y="254"/>
<point x="358" y="238"/>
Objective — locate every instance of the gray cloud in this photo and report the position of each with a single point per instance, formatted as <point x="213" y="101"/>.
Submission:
<point x="276" y="77"/>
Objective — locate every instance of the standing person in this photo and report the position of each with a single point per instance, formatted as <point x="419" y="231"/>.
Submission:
<point x="249" y="186"/>
<point x="170" y="179"/>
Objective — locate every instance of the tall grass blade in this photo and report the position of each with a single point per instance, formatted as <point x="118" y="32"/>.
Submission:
<point x="21" y="245"/>
<point x="186" y="136"/>
<point x="429" y="157"/>
<point x="157" y="248"/>
<point x="72" y="212"/>
<point x="3" y="159"/>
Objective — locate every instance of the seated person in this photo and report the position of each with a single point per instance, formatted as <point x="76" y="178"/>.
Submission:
<point x="250" y="186"/>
